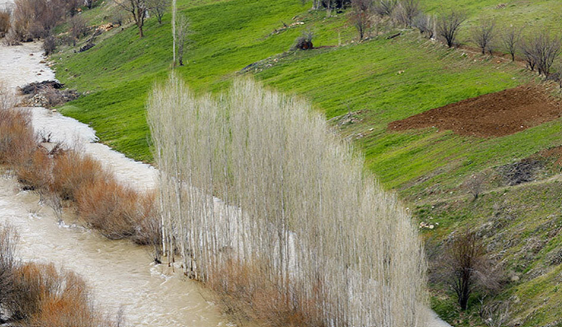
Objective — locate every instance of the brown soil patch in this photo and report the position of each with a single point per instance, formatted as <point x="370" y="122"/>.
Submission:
<point x="491" y="115"/>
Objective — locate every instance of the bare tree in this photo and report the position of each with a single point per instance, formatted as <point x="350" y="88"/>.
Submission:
<point x="384" y="7"/>
<point x="138" y="9"/>
<point x="158" y="8"/>
<point x="510" y="38"/>
<point x="540" y="51"/>
<point x="448" y="25"/>
<point x="361" y="16"/>
<point x="465" y="266"/>
<point x="183" y="30"/>
<point x="405" y="12"/>
<point x="425" y="24"/>
<point x="77" y="27"/>
<point x="483" y="35"/>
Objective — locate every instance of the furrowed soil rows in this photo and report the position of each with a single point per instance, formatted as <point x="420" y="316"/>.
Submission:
<point x="491" y="115"/>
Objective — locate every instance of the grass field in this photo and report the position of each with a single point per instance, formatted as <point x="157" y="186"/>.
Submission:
<point x="377" y="81"/>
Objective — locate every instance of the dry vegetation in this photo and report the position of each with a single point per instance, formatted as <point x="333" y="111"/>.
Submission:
<point x="34" y="294"/>
<point x="67" y="176"/>
<point x="303" y="232"/>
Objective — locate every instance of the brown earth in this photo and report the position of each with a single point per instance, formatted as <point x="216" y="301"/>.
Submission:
<point x="491" y="115"/>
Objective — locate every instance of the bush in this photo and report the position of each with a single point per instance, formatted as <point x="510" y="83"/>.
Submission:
<point x="35" y="172"/>
<point x="72" y="170"/>
<point x="107" y="206"/>
<point x="303" y="42"/>
<point x="17" y="140"/>
<point x="5" y="17"/>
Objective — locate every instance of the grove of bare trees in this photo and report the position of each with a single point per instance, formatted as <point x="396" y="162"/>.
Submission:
<point x="295" y="214"/>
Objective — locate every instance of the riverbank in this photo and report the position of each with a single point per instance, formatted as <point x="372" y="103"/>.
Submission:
<point x="120" y="273"/>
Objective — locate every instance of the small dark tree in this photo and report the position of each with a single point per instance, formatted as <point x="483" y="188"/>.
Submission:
<point x="448" y="25"/>
<point x="466" y="266"/>
<point x="158" y="8"/>
<point x="510" y="38"/>
<point x="138" y="9"/>
<point x="362" y="11"/>
<point x="483" y="35"/>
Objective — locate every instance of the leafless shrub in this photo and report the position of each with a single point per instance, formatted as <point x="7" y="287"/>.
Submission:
<point x="158" y="8"/>
<point x="35" y="172"/>
<point x="425" y="24"/>
<point x="405" y="12"/>
<point x="465" y="266"/>
<point x="117" y="16"/>
<point x="72" y="170"/>
<point x="138" y="10"/>
<point x="510" y="38"/>
<point x="183" y="30"/>
<point x="297" y="210"/>
<point x="8" y="261"/>
<point x="77" y="27"/>
<point x="107" y="206"/>
<point x="384" y="7"/>
<point x="474" y="184"/>
<point x="540" y="51"/>
<point x="304" y="42"/>
<point x="360" y="17"/>
<point x="483" y="35"/>
<point x="448" y="25"/>
<point x="17" y="139"/>
<point x="495" y="314"/>
<point x="5" y="17"/>
<point x="49" y="45"/>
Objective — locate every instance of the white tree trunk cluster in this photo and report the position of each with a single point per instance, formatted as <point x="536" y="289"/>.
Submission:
<point x="296" y="204"/>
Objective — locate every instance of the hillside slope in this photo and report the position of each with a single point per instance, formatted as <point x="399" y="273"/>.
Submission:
<point x="362" y="88"/>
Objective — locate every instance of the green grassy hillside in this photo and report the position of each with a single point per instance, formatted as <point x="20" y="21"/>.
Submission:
<point x="361" y="87"/>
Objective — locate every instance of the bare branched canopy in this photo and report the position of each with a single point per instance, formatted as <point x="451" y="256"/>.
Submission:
<point x="540" y="51"/>
<point x="511" y="38"/>
<point x="138" y="10"/>
<point x="448" y="25"/>
<point x="361" y="16"/>
<point x="158" y="8"/>
<point x="466" y="266"/>
<point x="483" y="35"/>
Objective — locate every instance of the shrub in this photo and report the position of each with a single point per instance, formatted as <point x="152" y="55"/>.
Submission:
<point x="8" y="261"/>
<point x="448" y="24"/>
<point x="304" y="42"/>
<point x="17" y="140"/>
<point x="72" y="170"/>
<point x="107" y="206"/>
<point x="35" y="171"/>
<point x="49" y="45"/>
<point x="5" y="17"/>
